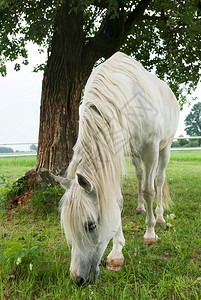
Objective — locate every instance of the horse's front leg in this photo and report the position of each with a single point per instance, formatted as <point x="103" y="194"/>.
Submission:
<point x="115" y="259"/>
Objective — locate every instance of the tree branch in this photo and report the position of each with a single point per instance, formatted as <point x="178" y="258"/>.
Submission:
<point x="108" y="39"/>
<point x="101" y="4"/>
<point x="154" y="18"/>
<point x="135" y="16"/>
<point x="113" y="31"/>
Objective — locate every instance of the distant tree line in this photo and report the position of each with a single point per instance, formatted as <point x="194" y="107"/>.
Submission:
<point x="6" y="150"/>
<point x="186" y="143"/>
<point x="32" y="148"/>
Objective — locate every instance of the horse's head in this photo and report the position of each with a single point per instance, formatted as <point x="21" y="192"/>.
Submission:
<point x="86" y="227"/>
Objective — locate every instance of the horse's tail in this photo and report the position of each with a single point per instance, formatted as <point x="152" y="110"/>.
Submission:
<point x="167" y="201"/>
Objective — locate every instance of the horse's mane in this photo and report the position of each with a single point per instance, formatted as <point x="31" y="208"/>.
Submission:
<point x="103" y="141"/>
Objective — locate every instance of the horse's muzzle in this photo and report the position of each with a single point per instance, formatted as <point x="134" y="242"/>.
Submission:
<point x="91" y="278"/>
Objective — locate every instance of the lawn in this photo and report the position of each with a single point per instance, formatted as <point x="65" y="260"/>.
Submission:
<point x="15" y="167"/>
<point x="170" y="269"/>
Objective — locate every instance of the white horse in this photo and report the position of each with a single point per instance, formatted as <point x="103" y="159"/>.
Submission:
<point x="126" y="111"/>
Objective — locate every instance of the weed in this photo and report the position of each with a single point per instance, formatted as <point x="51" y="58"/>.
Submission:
<point x="9" y="190"/>
<point x="5" y="186"/>
<point x="26" y="254"/>
<point x="46" y="200"/>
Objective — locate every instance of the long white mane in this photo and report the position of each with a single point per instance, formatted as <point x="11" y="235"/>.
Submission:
<point x="109" y="114"/>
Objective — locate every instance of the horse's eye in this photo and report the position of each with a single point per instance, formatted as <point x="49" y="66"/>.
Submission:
<point x="89" y="226"/>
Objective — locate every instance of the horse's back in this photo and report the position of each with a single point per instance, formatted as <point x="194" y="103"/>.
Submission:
<point x="151" y="99"/>
<point x="144" y="106"/>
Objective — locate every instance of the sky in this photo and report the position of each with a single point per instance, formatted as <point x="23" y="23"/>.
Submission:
<point x="20" y="94"/>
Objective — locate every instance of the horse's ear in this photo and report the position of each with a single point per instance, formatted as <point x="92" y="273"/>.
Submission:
<point x="84" y="183"/>
<point x="64" y="182"/>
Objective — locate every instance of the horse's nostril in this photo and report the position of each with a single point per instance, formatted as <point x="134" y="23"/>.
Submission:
<point x="79" y="280"/>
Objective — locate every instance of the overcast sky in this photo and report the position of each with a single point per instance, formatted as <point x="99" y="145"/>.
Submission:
<point x="20" y="94"/>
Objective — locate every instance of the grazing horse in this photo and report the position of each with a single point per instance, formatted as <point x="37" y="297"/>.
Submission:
<point x="126" y="111"/>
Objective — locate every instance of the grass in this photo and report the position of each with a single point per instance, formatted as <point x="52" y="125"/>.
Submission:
<point x="191" y="155"/>
<point x="15" y="167"/>
<point x="171" y="269"/>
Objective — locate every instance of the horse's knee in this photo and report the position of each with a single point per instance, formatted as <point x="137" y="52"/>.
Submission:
<point x="139" y="175"/>
<point x="148" y="194"/>
<point x="160" y="178"/>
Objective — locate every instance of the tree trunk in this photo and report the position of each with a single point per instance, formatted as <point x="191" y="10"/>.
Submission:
<point x="73" y="55"/>
<point x="61" y="93"/>
<point x="58" y="126"/>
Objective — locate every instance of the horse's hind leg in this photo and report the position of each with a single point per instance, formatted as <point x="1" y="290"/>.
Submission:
<point x="164" y="156"/>
<point x="139" y="174"/>
<point x="150" y="158"/>
<point x="115" y="259"/>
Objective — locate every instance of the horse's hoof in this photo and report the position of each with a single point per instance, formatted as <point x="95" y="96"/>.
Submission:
<point x="115" y="264"/>
<point x="149" y="241"/>
<point x="161" y="224"/>
<point x="140" y="211"/>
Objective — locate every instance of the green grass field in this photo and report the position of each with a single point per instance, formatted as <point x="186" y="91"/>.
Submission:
<point x="15" y="167"/>
<point x="171" y="269"/>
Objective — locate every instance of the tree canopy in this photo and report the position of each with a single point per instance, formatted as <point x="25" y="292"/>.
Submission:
<point x="193" y="121"/>
<point x="33" y="147"/>
<point x="163" y="35"/>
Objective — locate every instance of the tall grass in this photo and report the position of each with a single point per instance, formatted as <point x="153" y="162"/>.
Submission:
<point x="15" y="167"/>
<point x="186" y="155"/>
<point x="28" y="161"/>
<point x="170" y="269"/>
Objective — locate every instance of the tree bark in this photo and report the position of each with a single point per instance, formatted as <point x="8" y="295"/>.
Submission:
<point x="61" y="92"/>
<point x="58" y="126"/>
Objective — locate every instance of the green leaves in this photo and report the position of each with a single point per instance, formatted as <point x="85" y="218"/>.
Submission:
<point x="23" y="21"/>
<point x="14" y="251"/>
<point x="3" y="70"/>
<point x="166" y="39"/>
<point x="193" y="121"/>
<point x="17" y="67"/>
<point x="4" y="4"/>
